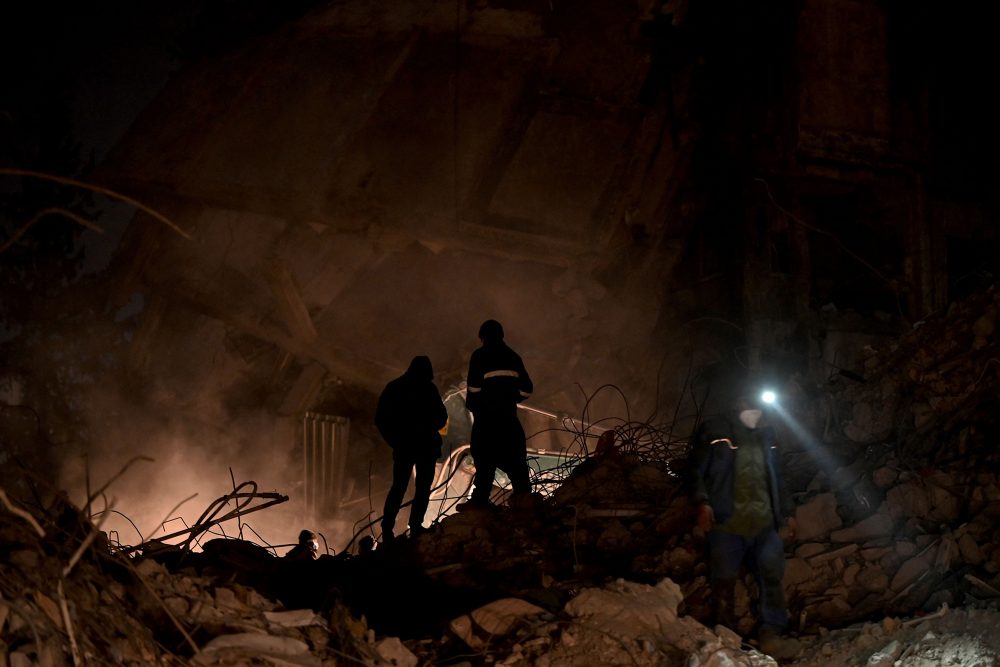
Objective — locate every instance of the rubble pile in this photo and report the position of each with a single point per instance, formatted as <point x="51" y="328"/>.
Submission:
<point x="896" y="496"/>
<point x="946" y="637"/>
<point x="910" y="523"/>
<point x="65" y="599"/>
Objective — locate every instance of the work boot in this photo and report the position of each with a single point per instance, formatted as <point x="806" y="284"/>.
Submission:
<point x="773" y="644"/>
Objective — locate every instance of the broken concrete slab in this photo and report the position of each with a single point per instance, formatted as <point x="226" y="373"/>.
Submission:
<point x="817" y="517"/>
<point x="875" y="526"/>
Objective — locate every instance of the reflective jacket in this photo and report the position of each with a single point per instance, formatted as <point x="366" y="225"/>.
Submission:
<point x="496" y="383"/>
<point x="711" y="473"/>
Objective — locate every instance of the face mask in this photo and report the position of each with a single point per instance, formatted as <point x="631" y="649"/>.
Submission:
<point x="750" y="418"/>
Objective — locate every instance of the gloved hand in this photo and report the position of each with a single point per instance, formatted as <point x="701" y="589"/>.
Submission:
<point x="706" y="517"/>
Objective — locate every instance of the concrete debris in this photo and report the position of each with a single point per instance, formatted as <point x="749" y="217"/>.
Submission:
<point x="817" y="517"/>
<point x="393" y="652"/>
<point x="497" y="618"/>
<point x="904" y="525"/>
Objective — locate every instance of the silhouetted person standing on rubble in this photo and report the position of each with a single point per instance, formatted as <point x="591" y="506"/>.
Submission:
<point x="736" y="485"/>
<point x="409" y="416"/>
<point x="496" y="383"/>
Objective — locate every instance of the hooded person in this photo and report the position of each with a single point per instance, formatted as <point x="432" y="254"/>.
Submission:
<point x="410" y="415"/>
<point x="307" y="547"/>
<point x="735" y="481"/>
<point x="496" y="383"/>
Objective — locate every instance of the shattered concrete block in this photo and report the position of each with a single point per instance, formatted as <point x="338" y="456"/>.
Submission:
<point x="225" y="597"/>
<point x="393" y="652"/>
<point x="728" y="638"/>
<point x="886" y="656"/>
<point x="875" y="526"/>
<point x="797" y="571"/>
<point x="833" y="609"/>
<point x="462" y="627"/>
<point x="177" y="606"/>
<point x="968" y="548"/>
<point x="873" y="579"/>
<point x="150" y="569"/>
<point x="254" y="643"/>
<point x="910" y="571"/>
<point x="629" y="609"/>
<point x="850" y="574"/>
<point x="908" y="499"/>
<point x="945" y="505"/>
<point x="833" y="554"/>
<point x="874" y="553"/>
<point x="295" y="618"/>
<point x="817" y="517"/>
<point x="500" y="616"/>
<point x="905" y="549"/>
<point x="809" y="550"/>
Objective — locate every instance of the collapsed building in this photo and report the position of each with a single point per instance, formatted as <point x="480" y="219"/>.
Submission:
<point x="643" y="194"/>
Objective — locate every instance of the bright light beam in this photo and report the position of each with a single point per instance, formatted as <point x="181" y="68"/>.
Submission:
<point x="769" y="397"/>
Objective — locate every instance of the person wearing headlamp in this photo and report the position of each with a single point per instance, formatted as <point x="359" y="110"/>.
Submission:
<point x="735" y="481"/>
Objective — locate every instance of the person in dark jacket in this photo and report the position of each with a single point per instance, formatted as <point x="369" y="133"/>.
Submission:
<point x="409" y="416"/>
<point x="307" y="548"/>
<point x="496" y="383"/>
<point x="736" y="484"/>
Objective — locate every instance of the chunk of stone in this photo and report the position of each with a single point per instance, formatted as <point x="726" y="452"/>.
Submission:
<point x="885" y="656"/>
<point x="970" y="551"/>
<point x="910" y="571"/>
<point x="630" y="609"/>
<point x="833" y="554"/>
<point x="797" y="571"/>
<point x="906" y="500"/>
<point x="875" y="526"/>
<point x="817" y="517"/>
<point x="395" y="653"/>
<point x="256" y="644"/>
<point x="874" y="553"/>
<point x="809" y="550"/>
<point x="945" y="505"/>
<point x="500" y="616"/>
<point x="225" y="597"/>
<point x="873" y="579"/>
<point x="295" y="618"/>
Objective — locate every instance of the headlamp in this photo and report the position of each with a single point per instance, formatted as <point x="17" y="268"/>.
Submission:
<point x="768" y="396"/>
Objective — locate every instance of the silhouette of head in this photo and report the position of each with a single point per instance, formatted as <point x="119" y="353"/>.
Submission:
<point x="491" y="331"/>
<point x="307" y="536"/>
<point x="420" y="368"/>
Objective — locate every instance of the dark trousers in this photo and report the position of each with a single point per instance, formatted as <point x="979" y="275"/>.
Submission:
<point x="402" y="466"/>
<point x="513" y="463"/>
<point x="764" y="555"/>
